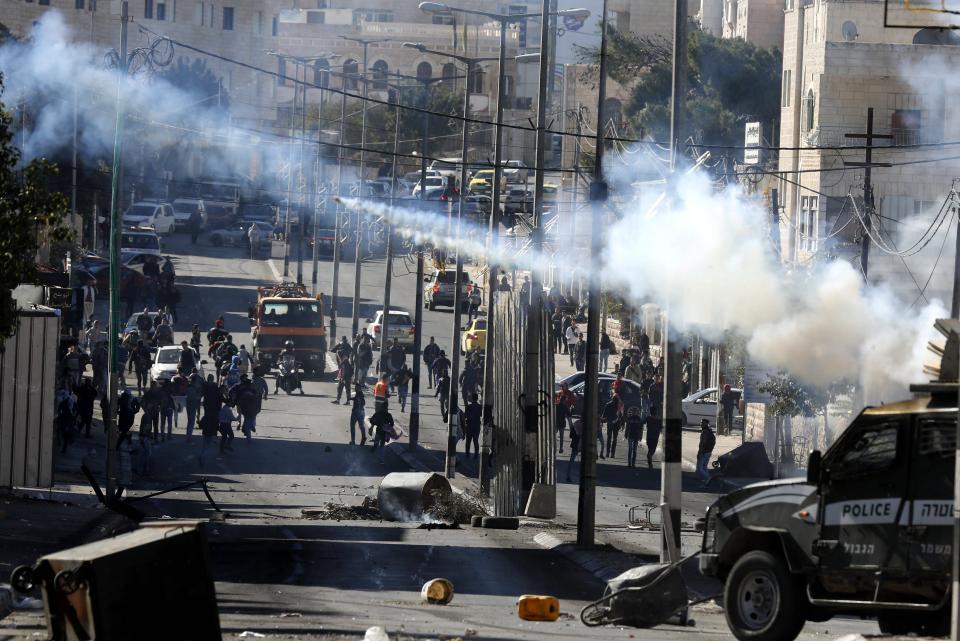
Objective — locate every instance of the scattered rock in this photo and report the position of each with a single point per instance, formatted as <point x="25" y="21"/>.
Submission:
<point x="376" y="633"/>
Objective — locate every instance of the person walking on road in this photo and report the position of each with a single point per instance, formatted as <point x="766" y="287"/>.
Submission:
<point x="633" y="430"/>
<point x="86" y="397"/>
<point x="708" y="441"/>
<point x="225" y="418"/>
<point x="653" y="432"/>
<point x="246" y="398"/>
<point x="611" y="416"/>
<point x="564" y="402"/>
<point x="167" y="409"/>
<point x="127" y="408"/>
<point x="576" y="428"/>
<point x="142" y="359"/>
<point x="475" y="299"/>
<point x="364" y="359"/>
<point x="358" y="416"/>
<point x="472" y="418"/>
<point x="381" y="392"/>
<point x="430" y="354"/>
<point x="443" y="392"/>
<point x="146" y="443"/>
<point x="193" y="397"/>
<point x="401" y="381"/>
<point x="196" y="223"/>
<point x="89" y="291"/>
<point x="344" y="379"/>
<point x="728" y="402"/>
<point x="571" y="335"/>
<point x="556" y="322"/>
<point x="606" y="347"/>
<point x="580" y="360"/>
<point x="383" y="427"/>
<point x="209" y="428"/>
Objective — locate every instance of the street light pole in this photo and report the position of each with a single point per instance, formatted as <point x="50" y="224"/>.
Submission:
<point x="300" y="178"/>
<point x="388" y="271"/>
<point x="321" y="178"/>
<point x="337" y="225"/>
<point x="115" y="228"/>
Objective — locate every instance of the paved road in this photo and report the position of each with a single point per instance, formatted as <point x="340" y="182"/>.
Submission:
<point x="339" y="578"/>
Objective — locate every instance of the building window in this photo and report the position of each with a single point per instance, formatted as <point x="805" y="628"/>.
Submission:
<point x="275" y="26"/>
<point x="444" y="17"/>
<point x="161" y="11"/>
<point x="316" y="17"/>
<point x="228" y="18"/>
<point x="905" y="126"/>
<point x="43" y="2"/>
<point x="424" y="71"/>
<point x="787" y="84"/>
<point x="79" y="4"/>
<point x="282" y="71"/>
<point x="350" y="69"/>
<point x="372" y="15"/>
<point x="148" y="9"/>
<point x="321" y="73"/>
<point x="202" y="11"/>
<point x="211" y="15"/>
<point x="809" y="222"/>
<point x="808" y="110"/>
<point x="476" y="81"/>
<point x="380" y="72"/>
<point x="449" y="74"/>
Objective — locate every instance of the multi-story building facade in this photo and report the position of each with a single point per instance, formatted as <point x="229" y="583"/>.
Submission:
<point x="757" y="21"/>
<point x="839" y="61"/>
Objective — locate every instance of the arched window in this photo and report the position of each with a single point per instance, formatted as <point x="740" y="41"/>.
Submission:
<point x="380" y="71"/>
<point x="476" y="80"/>
<point x="449" y="75"/>
<point x="321" y="73"/>
<point x="350" y="70"/>
<point x="809" y="104"/>
<point x="424" y="71"/>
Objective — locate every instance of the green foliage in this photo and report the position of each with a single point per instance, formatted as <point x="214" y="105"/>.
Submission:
<point x="729" y="82"/>
<point x="32" y="216"/>
<point x="792" y="398"/>
<point x="195" y="78"/>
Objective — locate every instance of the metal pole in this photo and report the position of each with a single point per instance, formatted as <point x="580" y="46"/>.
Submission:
<point x="300" y="179"/>
<point x="286" y="234"/>
<point x="418" y="293"/>
<point x="388" y="271"/>
<point x="671" y="473"/>
<point x="338" y="224"/>
<point x="452" y="416"/>
<point x="955" y="304"/>
<point x="587" y="500"/>
<point x="115" y="228"/>
<point x="955" y="596"/>
<point x="73" y="165"/>
<point x="320" y="179"/>
<point x="867" y="197"/>
<point x="355" y="320"/>
<point x="492" y="268"/>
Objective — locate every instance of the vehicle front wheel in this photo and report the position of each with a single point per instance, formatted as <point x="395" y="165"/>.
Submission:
<point x="763" y="601"/>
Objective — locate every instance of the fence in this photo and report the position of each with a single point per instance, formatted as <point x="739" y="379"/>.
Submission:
<point x="519" y="461"/>
<point x="27" y="387"/>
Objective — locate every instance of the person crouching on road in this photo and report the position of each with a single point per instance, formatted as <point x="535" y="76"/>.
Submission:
<point x="383" y="429"/>
<point x="708" y="441"/>
<point x="358" y="416"/>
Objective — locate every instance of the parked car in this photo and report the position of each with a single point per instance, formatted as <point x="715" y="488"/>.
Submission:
<point x="184" y="208"/>
<point x="219" y="215"/>
<point x="147" y="213"/>
<point x="515" y="171"/>
<point x="482" y="182"/>
<point x="441" y="287"/>
<point x="165" y="363"/>
<point x="630" y="392"/>
<point x="518" y="201"/>
<point x="237" y="234"/>
<point x="474" y="335"/>
<point x="326" y="239"/>
<point x="703" y="405"/>
<point x="432" y="181"/>
<point x="260" y="212"/>
<point x="576" y="378"/>
<point x="401" y="328"/>
<point x="139" y="240"/>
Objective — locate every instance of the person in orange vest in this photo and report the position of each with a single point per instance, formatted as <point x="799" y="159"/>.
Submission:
<point x="380" y="393"/>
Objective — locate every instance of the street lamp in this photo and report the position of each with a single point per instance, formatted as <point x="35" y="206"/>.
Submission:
<point x="504" y="20"/>
<point x="365" y="43"/>
<point x="451" y="462"/>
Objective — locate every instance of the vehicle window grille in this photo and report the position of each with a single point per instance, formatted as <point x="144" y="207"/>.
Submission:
<point x="937" y="438"/>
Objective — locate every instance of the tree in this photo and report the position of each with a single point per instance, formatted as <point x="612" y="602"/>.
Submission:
<point x="194" y="77"/>
<point x="729" y="82"/>
<point x="33" y="216"/>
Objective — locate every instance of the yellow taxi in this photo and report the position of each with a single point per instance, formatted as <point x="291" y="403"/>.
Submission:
<point x="482" y="181"/>
<point x="474" y="336"/>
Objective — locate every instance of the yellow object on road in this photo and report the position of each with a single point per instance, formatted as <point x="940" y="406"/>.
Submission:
<point x="437" y="591"/>
<point x="533" y="607"/>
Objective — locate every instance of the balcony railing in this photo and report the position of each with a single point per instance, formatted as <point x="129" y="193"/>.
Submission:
<point x="835" y="136"/>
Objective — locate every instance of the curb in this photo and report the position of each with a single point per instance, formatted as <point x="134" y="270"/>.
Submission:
<point x="49" y="494"/>
<point x="587" y="560"/>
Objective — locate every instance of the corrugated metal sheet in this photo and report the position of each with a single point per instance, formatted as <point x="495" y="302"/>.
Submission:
<point x="27" y="387"/>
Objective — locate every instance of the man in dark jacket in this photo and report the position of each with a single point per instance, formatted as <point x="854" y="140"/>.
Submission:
<point x="86" y="397"/>
<point x="472" y="417"/>
<point x="708" y="441"/>
<point x="430" y="354"/>
<point x="246" y="398"/>
<point x="196" y="223"/>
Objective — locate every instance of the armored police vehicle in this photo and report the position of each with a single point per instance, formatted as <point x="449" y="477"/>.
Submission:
<point x="869" y="531"/>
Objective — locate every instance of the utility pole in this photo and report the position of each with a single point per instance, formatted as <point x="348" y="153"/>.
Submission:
<point x="418" y="291"/>
<point x="955" y="304"/>
<point x="492" y="268"/>
<point x="355" y="320"/>
<point x="672" y="472"/>
<point x="287" y="225"/>
<point x="300" y="178"/>
<point x="73" y="164"/>
<point x="115" y="229"/>
<point x="321" y="178"/>
<point x="338" y="223"/>
<point x="867" y="165"/>
<point x="587" y="499"/>
<point x="388" y="271"/>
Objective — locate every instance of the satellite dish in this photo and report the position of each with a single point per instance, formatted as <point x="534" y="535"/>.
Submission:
<point x="849" y="30"/>
<point x="934" y="36"/>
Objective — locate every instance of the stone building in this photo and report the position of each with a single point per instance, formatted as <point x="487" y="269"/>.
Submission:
<point x="839" y="61"/>
<point x="757" y="21"/>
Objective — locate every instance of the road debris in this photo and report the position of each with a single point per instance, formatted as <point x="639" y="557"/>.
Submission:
<point x="411" y="496"/>
<point x="248" y="634"/>
<point x="457" y="507"/>
<point x="535" y="607"/>
<point x="437" y="591"/>
<point x="366" y="511"/>
<point x="376" y="633"/>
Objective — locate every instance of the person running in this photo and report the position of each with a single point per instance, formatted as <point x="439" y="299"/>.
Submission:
<point x="430" y="354"/>
<point x="86" y="397"/>
<point x="653" y="432"/>
<point x="146" y="439"/>
<point x="246" y="398"/>
<point x="576" y="428"/>
<point x="358" y="416"/>
<point x="401" y="381"/>
<point x="344" y="379"/>
<point x="441" y="367"/>
<point x="443" y="392"/>
<point x="127" y="408"/>
<point x="245" y="360"/>
<point x="225" y="418"/>
<point x="209" y="428"/>
<point x="708" y="441"/>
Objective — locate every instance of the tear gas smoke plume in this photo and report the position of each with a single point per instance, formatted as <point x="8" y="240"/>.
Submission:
<point x="708" y="257"/>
